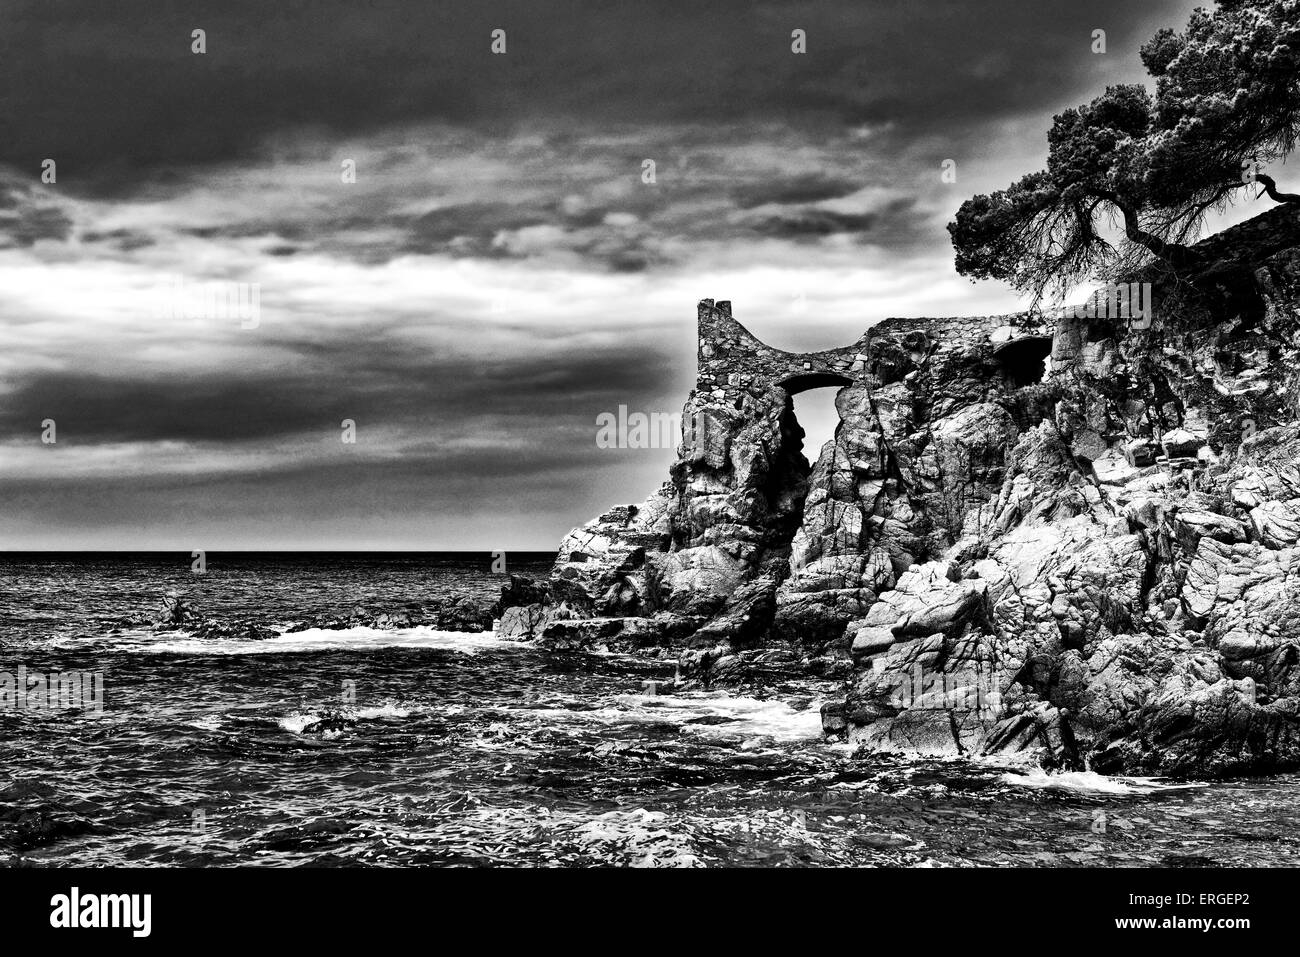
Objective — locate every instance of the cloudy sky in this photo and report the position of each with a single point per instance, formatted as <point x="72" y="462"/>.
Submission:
<point x="499" y="273"/>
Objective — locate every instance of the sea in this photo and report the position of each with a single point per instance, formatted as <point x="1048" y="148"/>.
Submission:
<point x="410" y="746"/>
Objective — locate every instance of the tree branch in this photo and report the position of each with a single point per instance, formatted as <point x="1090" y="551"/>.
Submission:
<point x="1270" y="187"/>
<point x="1170" y="252"/>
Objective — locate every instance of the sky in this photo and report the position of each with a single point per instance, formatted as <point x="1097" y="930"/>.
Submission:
<point x="500" y="272"/>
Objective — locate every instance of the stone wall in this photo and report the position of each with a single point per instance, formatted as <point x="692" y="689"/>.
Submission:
<point x="730" y="359"/>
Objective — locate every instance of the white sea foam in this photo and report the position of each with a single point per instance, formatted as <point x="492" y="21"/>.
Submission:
<point x="1090" y="782"/>
<point x="388" y="710"/>
<point x="630" y="837"/>
<point x="209" y="722"/>
<point x="295" y="723"/>
<point x="754" y="720"/>
<point x="330" y="639"/>
<point x="298" y="721"/>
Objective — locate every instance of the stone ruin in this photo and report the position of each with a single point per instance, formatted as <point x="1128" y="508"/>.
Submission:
<point x="1078" y="540"/>
<point x="731" y="359"/>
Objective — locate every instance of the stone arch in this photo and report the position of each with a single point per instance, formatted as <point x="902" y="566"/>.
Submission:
<point x="734" y="364"/>
<point x="805" y="381"/>
<point x="732" y="360"/>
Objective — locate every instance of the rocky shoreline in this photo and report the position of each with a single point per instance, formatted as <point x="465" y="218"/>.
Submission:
<point x="1073" y="538"/>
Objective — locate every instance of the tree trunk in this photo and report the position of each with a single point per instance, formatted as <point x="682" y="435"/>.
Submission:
<point x="1171" y="253"/>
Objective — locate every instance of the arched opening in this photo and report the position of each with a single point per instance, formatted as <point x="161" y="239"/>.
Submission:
<point x="1024" y="360"/>
<point x="804" y="381"/>
<point x="812" y="395"/>
<point x="816" y="413"/>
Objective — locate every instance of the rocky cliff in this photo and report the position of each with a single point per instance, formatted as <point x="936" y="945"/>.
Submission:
<point x="1076" y="535"/>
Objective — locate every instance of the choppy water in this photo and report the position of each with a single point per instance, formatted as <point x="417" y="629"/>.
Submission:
<point x="463" y="749"/>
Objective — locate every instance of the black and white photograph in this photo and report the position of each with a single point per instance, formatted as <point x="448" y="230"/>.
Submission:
<point x="547" y="440"/>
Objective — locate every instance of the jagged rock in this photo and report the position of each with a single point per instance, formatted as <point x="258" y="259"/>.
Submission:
<point x="178" y="613"/>
<point x="746" y="618"/>
<point x="585" y="633"/>
<point x="697" y="580"/>
<point x="524" y="622"/>
<point x="1140" y="452"/>
<point x="520" y="590"/>
<point x="1191" y="524"/>
<point x="926" y="601"/>
<point x="834" y="721"/>
<point x="463" y="615"/>
<point x="175" y="612"/>
<point x="1276" y="524"/>
<point x="1081" y="541"/>
<point x="613" y="634"/>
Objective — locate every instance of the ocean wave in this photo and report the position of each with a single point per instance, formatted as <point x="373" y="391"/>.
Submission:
<point x="631" y="837"/>
<point x="319" y="639"/>
<point x="209" y="722"/>
<point x="1090" y="782"/>
<point x="330" y="722"/>
<point x="757" y="721"/>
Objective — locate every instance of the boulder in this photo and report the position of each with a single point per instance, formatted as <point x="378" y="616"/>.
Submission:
<point x="1179" y="443"/>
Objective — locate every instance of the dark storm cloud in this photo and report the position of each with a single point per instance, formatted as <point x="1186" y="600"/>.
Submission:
<point x="802" y="223"/>
<point x="604" y="218"/>
<point x="449" y="446"/>
<point x="113" y="91"/>
<point x="801" y="188"/>
<point x="477" y="222"/>
<point x="479" y="176"/>
<point x="123" y="240"/>
<point x="375" y="382"/>
<point x="26" y="217"/>
<point x="601" y="215"/>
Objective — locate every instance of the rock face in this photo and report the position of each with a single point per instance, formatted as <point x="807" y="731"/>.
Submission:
<point x="1077" y="537"/>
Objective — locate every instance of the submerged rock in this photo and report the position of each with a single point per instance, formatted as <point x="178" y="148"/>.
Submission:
<point x="175" y="611"/>
<point x="211" y="630"/>
<point x="460" y="614"/>
<point x="178" y="613"/>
